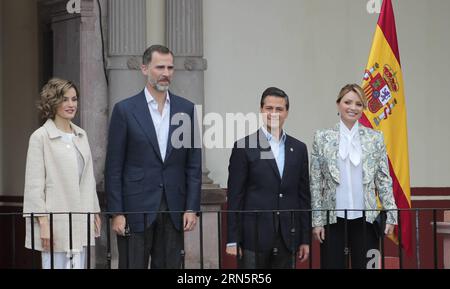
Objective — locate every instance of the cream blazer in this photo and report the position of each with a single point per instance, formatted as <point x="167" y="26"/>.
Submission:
<point x="52" y="185"/>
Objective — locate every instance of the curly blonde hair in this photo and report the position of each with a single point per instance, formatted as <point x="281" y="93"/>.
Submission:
<point x="52" y="95"/>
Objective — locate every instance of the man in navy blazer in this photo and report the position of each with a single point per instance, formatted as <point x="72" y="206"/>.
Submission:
<point x="152" y="167"/>
<point x="268" y="171"/>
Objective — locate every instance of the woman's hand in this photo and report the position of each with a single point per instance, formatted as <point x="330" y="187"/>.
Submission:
<point x="98" y="225"/>
<point x="319" y="234"/>
<point x="44" y="227"/>
<point x="389" y="229"/>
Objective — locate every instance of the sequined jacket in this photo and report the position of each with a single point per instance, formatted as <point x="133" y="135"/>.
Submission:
<point x="325" y="175"/>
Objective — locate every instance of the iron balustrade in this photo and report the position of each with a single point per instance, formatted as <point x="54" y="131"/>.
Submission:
<point x="219" y="217"/>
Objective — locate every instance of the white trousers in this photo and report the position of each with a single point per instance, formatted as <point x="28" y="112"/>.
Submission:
<point x="64" y="260"/>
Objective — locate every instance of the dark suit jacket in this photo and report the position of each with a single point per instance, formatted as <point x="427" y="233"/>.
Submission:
<point x="254" y="183"/>
<point x="135" y="174"/>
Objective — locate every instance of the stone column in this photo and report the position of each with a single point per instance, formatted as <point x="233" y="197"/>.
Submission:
<point x="184" y="32"/>
<point x="77" y="56"/>
<point x="127" y="43"/>
<point x="156" y="22"/>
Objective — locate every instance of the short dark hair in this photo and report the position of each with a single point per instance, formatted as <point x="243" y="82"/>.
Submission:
<point x="274" y="91"/>
<point x="147" y="57"/>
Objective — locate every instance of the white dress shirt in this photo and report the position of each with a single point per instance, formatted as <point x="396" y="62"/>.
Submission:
<point x="277" y="147"/>
<point x="160" y="121"/>
<point x="349" y="192"/>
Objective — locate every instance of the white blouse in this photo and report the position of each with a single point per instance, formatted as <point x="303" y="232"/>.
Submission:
<point x="349" y="192"/>
<point x="67" y="138"/>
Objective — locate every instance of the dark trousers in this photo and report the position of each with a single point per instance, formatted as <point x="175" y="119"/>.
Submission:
<point x="339" y="249"/>
<point x="162" y="241"/>
<point x="279" y="257"/>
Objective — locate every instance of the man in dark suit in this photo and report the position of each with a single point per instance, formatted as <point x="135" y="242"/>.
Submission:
<point x="148" y="170"/>
<point x="268" y="170"/>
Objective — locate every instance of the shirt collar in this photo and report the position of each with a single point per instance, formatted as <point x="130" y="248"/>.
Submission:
<point x="54" y="132"/>
<point x="346" y="132"/>
<point x="150" y="98"/>
<point x="269" y="136"/>
<point x="349" y="144"/>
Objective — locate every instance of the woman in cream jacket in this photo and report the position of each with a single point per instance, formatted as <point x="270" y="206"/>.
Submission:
<point x="349" y="167"/>
<point x="60" y="178"/>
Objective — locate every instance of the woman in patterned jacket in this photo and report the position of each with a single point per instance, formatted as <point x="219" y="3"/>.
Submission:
<point x="349" y="173"/>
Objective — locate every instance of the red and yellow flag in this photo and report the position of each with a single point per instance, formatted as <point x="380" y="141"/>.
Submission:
<point x="383" y="85"/>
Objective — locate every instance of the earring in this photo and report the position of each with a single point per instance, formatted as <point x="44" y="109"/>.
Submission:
<point x="338" y="113"/>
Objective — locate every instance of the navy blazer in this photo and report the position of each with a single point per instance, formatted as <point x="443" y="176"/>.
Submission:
<point x="254" y="183"/>
<point x="135" y="174"/>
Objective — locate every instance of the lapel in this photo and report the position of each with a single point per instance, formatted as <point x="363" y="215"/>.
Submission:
<point x="54" y="133"/>
<point x="174" y="109"/>
<point x="78" y="142"/>
<point x="364" y="140"/>
<point x="144" y="118"/>
<point x="333" y="165"/>
<point x="333" y="156"/>
<point x="289" y="155"/>
<point x="266" y="153"/>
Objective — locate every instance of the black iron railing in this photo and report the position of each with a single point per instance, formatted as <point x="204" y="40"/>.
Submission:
<point x="217" y="230"/>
